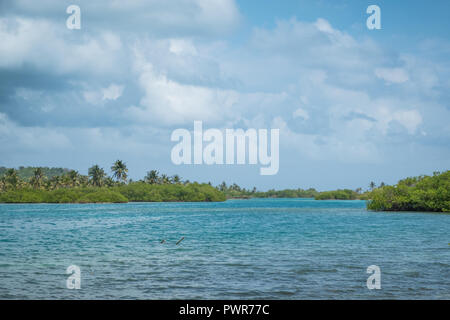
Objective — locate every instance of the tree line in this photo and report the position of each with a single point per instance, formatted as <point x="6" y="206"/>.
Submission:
<point x="37" y="178"/>
<point x="97" y="186"/>
<point x="58" y="185"/>
<point x="55" y="178"/>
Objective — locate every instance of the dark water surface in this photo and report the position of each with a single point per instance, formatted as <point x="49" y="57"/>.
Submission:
<point x="239" y="249"/>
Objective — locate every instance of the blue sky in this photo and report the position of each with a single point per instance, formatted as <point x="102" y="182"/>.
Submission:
<point x="353" y="105"/>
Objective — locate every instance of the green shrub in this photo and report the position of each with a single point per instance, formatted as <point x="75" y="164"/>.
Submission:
<point x="341" y="194"/>
<point x="143" y="192"/>
<point x="424" y="193"/>
<point x="102" y="196"/>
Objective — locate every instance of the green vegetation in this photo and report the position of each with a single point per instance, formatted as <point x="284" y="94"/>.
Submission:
<point x="75" y="195"/>
<point x="341" y="194"/>
<point x="120" y="171"/>
<point x="423" y="193"/>
<point x="347" y="194"/>
<point x="25" y="173"/>
<point x="135" y="191"/>
<point x="97" y="187"/>
<point x="141" y="191"/>
<point x="234" y="191"/>
<point x="58" y="185"/>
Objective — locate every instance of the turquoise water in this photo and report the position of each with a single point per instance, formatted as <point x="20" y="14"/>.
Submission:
<point x="239" y="249"/>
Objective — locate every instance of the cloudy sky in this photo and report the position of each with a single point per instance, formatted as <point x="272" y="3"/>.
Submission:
<point x="353" y="105"/>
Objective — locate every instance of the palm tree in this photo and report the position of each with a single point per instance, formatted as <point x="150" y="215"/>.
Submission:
<point x="97" y="175"/>
<point x="109" y="182"/>
<point x="2" y="184"/>
<point x="152" y="177"/>
<point x="56" y="182"/>
<point x="164" y="179"/>
<point x="65" y="181"/>
<point x="11" y="177"/>
<point x="176" y="179"/>
<point x="223" y="186"/>
<point x="37" y="179"/>
<point x="382" y="184"/>
<point x="83" y="180"/>
<point x="235" y="187"/>
<point x="73" y="178"/>
<point x="119" y="170"/>
<point x="48" y="184"/>
<point x="372" y="185"/>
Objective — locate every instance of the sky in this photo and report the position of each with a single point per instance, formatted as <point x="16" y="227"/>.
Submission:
<point x="353" y="105"/>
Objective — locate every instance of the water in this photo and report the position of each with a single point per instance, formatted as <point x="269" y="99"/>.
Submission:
<point x="239" y="249"/>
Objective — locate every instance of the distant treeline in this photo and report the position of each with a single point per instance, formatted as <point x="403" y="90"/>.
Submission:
<point x="235" y="191"/>
<point x="68" y="186"/>
<point x="340" y="194"/>
<point x="26" y="173"/>
<point x="43" y="184"/>
<point x="423" y="193"/>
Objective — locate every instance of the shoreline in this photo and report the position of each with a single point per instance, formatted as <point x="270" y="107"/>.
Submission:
<point x="422" y="193"/>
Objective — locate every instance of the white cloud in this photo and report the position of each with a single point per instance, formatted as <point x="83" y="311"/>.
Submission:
<point x="113" y="92"/>
<point x="99" y="97"/>
<point x="15" y="137"/>
<point x="168" y="102"/>
<point x="347" y="146"/>
<point x="392" y="75"/>
<point x="182" y="17"/>
<point x="93" y="97"/>
<point x="324" y="26"/>
<point x="182" y="46"/>
<point x="301" y="113"/>
<point x="410" y="119"/>
<point x="43" y="44"/>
